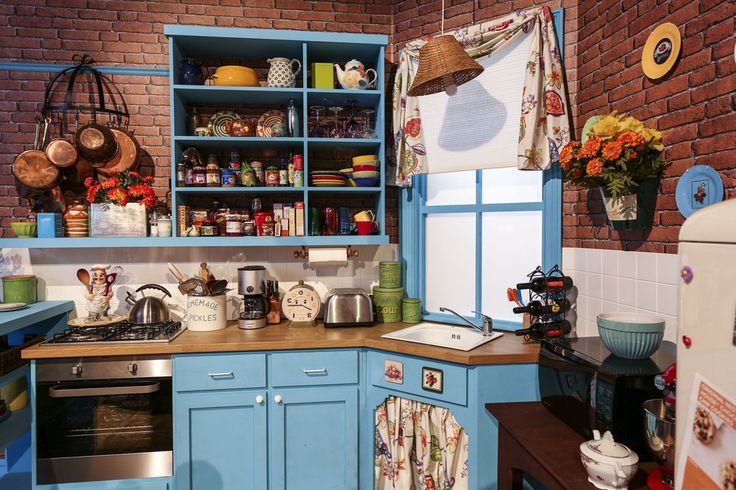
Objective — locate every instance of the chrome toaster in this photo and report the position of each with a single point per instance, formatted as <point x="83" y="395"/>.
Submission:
<point x="348" y="308"/>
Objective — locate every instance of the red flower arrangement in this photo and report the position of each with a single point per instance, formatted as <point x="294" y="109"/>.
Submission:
<point x="122" y="188"/>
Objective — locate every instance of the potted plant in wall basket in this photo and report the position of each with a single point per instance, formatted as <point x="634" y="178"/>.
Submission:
<point x="118" y="205"/>
<point x="624" y="160"/>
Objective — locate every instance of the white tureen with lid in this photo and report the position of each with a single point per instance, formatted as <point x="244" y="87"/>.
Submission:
<point x="610" y="465"/>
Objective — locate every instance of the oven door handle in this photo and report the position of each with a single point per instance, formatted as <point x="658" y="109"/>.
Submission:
<point x="142" y="389"/>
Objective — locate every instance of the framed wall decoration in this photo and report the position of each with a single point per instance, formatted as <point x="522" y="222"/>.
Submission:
<point x="393" y="371"/>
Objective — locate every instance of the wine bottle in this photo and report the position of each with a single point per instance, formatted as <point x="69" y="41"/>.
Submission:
<point x="547" y="284"/>
<point x="537" y="308"/>
<point x="541" y="330"/>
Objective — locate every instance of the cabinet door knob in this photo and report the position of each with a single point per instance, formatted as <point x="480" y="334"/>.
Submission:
<point x="259" y="399"/>
<point x="277" y="399"/>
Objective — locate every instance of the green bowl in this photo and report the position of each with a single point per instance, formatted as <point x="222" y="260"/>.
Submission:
<point x="24" y="229"/>
<point x="631" y="335"/>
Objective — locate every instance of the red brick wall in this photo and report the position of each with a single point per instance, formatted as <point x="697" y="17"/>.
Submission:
<point x="693" y="106"/>
<point x="130" y="33"/>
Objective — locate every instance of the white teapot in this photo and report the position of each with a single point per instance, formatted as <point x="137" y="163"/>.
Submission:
<point x="355" y="76"/>
<point x="610" y="465"/>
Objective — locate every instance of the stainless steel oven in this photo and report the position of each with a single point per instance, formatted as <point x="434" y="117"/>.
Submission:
<point x="103" y="419"/>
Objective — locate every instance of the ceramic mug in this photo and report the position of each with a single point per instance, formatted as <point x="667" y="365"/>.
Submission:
<point x="366" y="227"/>
<point x="202" y="131"/>
<point x="366" y="215"/>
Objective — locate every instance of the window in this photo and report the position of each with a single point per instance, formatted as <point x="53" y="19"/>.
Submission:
<point x="467" y="236"/>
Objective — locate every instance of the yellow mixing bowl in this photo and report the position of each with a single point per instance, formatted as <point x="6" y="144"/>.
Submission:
<point x="235" y="76"/>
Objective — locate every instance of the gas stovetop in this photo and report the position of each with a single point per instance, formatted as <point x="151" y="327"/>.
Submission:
<point x="121" y="332"/>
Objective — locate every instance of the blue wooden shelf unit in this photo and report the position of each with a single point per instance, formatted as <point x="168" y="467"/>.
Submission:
<point x="253" y="47"/>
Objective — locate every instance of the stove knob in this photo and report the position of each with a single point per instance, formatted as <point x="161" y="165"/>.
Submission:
<point x="77" y="370"/>
<point x="133" y="368"/>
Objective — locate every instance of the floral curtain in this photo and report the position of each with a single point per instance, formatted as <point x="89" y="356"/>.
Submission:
<point x="419" y="447"/>
<point x="544" y="126"/>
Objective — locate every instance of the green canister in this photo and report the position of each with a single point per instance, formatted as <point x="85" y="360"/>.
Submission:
<point x="388" y="304"/>
<point x="411" y="310"/>
<point x="19" y="289"/>
<point x="389" y="274"/>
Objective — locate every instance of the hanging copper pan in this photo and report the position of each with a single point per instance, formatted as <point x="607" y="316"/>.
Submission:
<point x="128" y="156"/>
<point x="32" y="168"/>
<point x="60" y="151"/>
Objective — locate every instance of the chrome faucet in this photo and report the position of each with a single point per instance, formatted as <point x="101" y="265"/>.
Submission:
<point x="487" y="327"/>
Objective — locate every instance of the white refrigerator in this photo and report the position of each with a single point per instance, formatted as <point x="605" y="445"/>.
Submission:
<point x="706" y="343"/>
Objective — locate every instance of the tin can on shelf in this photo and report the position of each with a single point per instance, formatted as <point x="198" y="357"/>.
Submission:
<point x="389" y="274"/>
<point x="197" y="217"/>
<point x="388" y="304"/>
<point x="267" y="229"/>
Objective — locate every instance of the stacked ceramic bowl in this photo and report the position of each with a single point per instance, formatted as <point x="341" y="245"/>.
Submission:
<point x="366" y="171"/>
<point x="76" y="220"/>
<point x="327" y="178"/>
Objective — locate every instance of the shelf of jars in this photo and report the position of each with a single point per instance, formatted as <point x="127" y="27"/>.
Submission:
<point x="273" y="162"/>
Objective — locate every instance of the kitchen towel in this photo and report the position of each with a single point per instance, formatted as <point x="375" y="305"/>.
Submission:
<point x="335" y="256"/>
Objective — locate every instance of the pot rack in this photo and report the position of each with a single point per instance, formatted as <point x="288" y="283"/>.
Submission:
<point x="104" y="87"/>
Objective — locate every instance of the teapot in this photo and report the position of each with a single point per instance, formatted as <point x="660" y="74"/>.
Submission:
<point x="610" y="465"/>
<point x="355" y="76"/>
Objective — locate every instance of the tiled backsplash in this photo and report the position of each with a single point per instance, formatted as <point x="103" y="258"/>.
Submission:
<point x="613" y="280"/>
<point x="56" y="269"/>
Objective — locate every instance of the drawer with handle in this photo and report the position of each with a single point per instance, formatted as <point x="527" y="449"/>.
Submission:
<point x="314" y="368"/>
<point x="202" y="372"/>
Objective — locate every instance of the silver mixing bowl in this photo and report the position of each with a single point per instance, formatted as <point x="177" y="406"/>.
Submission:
<point x="660" y="435"/>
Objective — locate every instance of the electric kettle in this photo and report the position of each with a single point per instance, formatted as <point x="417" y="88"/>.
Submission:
<point x="148" y="309"/>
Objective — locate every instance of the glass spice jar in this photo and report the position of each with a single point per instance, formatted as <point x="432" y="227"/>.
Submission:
<point x="214" y="174"/>
<point x="181" y="174"/>
<point x="233" y="225"/>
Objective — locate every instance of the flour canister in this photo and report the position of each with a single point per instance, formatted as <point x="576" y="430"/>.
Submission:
<point x="388" y="304"/>
<point x="19" y="289"/>
<point x="389" y="274"/>
<point x="206" y="313"/>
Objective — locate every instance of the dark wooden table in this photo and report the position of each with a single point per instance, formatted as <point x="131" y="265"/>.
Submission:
<point x="532" y="441"/>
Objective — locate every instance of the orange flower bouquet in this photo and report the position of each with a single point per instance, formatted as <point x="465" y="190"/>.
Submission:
<point x="118" y="204"/>
<point x="618" y="154"/>
<point x="624" y="159"/>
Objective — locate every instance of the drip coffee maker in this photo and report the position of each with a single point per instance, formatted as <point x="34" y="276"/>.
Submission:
<point x="252" y="285"/>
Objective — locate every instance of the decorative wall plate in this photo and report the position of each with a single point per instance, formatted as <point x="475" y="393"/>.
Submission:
<point x="271" y="124"/>
<point x="218" y="122"/>
<point x="699" y="186"/>
<point x="661" y="50"/>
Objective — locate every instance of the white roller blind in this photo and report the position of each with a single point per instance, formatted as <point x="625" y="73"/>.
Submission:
<point x="479" y="126"/>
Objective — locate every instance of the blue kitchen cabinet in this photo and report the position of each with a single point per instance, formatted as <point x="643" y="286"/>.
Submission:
<point x="220" y="440"/>
<point x="314" y="438"/>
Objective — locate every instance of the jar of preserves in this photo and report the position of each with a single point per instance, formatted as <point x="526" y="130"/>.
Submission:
<point x="233" y="225"/>
<point x="228" y="178"/>
<point x="208" y="228"/>
<point x="258" y="171"/>
<point x="272" y="176"/>
<point x="181" y="174"/>
<point x="199" y="176"/>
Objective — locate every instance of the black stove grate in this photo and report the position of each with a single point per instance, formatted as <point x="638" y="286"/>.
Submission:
<point x="119" y="332"/>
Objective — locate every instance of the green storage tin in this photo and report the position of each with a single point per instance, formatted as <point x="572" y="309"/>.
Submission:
<point x="411" y="310"/>
<point x="323" y="75"/>
<point x="388" y="304"/>
<point x="389" y="274"/>
<point x="19" y="289"/>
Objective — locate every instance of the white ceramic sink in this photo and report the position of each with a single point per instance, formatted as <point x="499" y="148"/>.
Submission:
<point x="441" y="335"/>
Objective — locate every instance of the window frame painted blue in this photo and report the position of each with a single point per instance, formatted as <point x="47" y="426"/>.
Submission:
<point x="413" y="210"/>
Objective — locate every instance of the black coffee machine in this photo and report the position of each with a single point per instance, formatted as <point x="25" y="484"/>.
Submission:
<point x="588" y="388"/>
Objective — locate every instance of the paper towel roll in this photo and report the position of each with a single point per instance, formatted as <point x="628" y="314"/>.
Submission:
<point x="328" y="256"/>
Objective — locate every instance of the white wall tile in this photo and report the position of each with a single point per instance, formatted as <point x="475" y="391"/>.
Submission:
<point x="568" y="259"/>
<point x="667" y="299"/>
<point x="646" y="266"/>
<point x="609" y="262"/>
<point x="594" y="260"/>
<point x="646" y="295"/>
<point x="668" y="269"/>
<point x="624" y="281"/>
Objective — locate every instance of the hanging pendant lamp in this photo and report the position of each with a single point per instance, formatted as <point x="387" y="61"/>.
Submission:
<point x="443" y="65"/>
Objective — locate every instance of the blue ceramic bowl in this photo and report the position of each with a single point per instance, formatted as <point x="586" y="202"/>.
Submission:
<point x="368" y="182"/>
<point x="631" y="335"/>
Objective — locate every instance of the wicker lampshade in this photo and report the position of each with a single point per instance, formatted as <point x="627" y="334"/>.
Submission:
<point x="443" y="62"/>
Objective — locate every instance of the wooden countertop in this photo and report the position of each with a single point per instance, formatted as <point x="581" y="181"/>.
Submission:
<point x="507" y="349"/>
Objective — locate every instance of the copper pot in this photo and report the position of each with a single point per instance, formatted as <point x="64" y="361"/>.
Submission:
<point x="96" y="143"/>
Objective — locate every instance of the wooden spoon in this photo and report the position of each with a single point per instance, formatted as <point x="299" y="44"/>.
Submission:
<point x="83" y="276"/>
